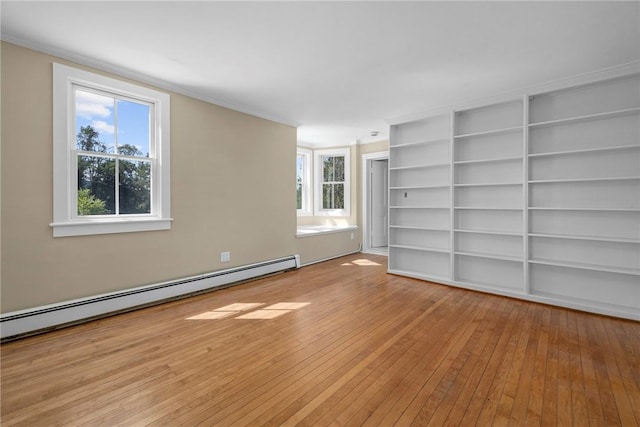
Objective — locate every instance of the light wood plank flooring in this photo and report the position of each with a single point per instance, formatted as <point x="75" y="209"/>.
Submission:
<point x="365" y="348"/>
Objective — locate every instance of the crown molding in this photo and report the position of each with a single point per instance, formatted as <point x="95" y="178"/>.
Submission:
<point x="373" y="141"/>
<point x="140" y="77"/>
<point x="356" y="142"/>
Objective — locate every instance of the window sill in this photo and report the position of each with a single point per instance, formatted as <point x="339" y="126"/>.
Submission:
<point x="315" y="230"/>
<point x="129" y="225"/>
<point x="332" y="212"/>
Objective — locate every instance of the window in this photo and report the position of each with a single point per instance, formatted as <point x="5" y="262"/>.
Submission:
<point x="332" y="182"/>
<point x="111" y="155"/>
<point x="303" y="182"/>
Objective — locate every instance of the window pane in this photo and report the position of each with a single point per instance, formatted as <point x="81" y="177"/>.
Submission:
<point x="94" y="122"/>
<point x="338" y="196"/>
<point x="332" y="196"/>
<point x="327" y="168"/>
<point x="338" y="167"/>
<point x="299" y="167"/>
<point x="135" y="187"/>
<point x="96" y="185"/>
<point x="332" y="168"/>
<point x="299" y="179"/>
<point x="327" y="196"/>
<point x="133" y="128"/>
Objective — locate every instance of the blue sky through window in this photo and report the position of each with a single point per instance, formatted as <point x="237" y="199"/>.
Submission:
<point x="300" y="166"/>
<point x="98" y="111"/>
<point x="133" y="125"/>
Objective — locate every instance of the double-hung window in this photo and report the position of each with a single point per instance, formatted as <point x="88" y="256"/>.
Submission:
<point x="111" y="155"/>
<point x="333" y="182"/>
<point x="303" y="182"/>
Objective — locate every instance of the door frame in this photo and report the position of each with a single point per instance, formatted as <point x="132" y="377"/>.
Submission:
<point x="366" y="207"/>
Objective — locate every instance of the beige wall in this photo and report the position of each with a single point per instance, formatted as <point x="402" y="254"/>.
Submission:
<point x="0" y="179"/>
<point x="232" y="179"/>
<point x="323" y="246"/>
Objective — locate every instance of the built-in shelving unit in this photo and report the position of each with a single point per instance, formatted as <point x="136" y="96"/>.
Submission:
<point x="420" y="199"/>
<point x="488" y="181"/>
<point x="536" y="196"/>
<point x="584" y="194"/>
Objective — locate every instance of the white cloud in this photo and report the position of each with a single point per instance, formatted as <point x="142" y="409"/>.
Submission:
<point x="102" y="126"/>
<point x="90" y="105"/>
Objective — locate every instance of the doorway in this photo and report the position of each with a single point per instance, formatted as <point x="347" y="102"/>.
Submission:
<point x="375" y="203"/>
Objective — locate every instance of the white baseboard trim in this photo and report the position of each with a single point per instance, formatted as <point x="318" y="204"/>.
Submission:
<point x="329" y="258"/>
<point x="27" y="322"/>
<point x="373" y="251"/>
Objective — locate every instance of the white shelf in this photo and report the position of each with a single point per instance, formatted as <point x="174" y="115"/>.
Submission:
<point x="490" y="256"/>
<point x="585" y="209"/>
<point x="496" y="159"/>
<point x="550" y="181"/>
<point x="491" y="287"/>
<point x="497" y="233"/>
<point x="420" y="248"/>
<point x="585" y="150"/>
<point x="486" y="208"/>
<point x="414" y="143"/>
<point x="490" y="132"/>
<point x="587" y="238"/>
<point x="411" y="227"/>
<point x="418" y="274"/>
<point x="419" y="187"/>
<point x="584" y="266"/>
<point x="488" y="184"/>
<point x="434" y="165"/>
<point x="588" y="117"/>
<point x="419" y="207"/>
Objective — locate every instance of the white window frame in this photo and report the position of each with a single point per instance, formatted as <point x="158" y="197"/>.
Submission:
<point x="66" y="222"/>
<point x="307" y="192"/>
<point x="318" y="154"/>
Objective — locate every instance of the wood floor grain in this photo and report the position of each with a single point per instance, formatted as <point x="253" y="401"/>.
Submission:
<point x="367" y="348"/>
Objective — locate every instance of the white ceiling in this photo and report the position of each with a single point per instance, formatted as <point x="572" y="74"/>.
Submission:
<point x="337" y="69"/>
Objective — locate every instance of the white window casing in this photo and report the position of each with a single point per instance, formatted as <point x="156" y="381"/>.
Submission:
<point x="319" y="181"/>
<point x="66" y="222"/>
<point x="307" y="189"/>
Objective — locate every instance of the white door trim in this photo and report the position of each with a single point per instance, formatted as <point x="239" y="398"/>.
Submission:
<point x="366" y="209"/>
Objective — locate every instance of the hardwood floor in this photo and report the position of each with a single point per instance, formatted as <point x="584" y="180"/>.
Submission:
<point x="368" y="348"/>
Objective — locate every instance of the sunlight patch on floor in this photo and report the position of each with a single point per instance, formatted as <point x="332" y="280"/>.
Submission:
<point x="263" y="314"/>
<point x="287" y="306"/>
<point x="361" y="262"/>
<point x="269" y="312"/>
<point x="240" y="306"/>
<point x="209" y="315"/>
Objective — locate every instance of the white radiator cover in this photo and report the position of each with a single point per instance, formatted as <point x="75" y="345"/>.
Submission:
<point x="27" y="322"/>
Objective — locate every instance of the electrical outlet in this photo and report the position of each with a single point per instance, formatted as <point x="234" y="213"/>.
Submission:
<point x="225" y="256"/>
<point x="352" y="236"/>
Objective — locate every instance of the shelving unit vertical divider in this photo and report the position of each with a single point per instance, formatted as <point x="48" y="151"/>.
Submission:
<point x="452" y="248"/>
<point x="390" y="253"/>
<point x="525" y="189"/>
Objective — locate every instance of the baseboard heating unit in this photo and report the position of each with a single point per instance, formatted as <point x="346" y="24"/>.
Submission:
<point x="39" y="319"/>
